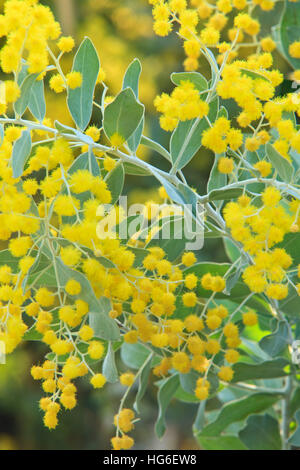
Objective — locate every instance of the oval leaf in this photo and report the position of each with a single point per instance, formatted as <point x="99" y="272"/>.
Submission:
<point x="167" y="390"/>
<point x="131" y="80"/>
<point x="26" y="87"/>
<point x="103" y="326"/>
<point x="115" y="182"/>
<point x="143" y="382"/>
<point x="37" y="103"/>
<point x="281" y="164"/>
<point x="274" y="343"/>
<point x="134" y="355"/>
<point x="238" y="410"/>
<point x="261" y="433"/>
<point x="224" y="194"/>
<point x="216" y="179"/>
<point x="131" y="77"/>
<point x="263" y="370"/>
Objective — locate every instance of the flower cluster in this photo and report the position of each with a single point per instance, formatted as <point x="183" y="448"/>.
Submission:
<point x="183" y="104"/>
<point x="27" y="27"/>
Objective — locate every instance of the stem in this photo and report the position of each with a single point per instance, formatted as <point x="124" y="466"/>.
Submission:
<point x="288" y="389"/>
<point x="278" y="184"/>
<point x="122" y="402"/>
<point x="255" y="388"/>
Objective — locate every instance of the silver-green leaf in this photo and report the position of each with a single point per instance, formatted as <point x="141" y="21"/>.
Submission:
<point x="20" y="153"/>
<point x="37" y="103"/>
<point x="123" y="115"/>
<point x="80" y="100"/>
<point x="283" y="167"/>
<point x="131" y="80"/>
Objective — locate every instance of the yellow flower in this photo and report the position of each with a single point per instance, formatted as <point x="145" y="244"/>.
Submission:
<point x="12" y="91"/>
<point x="209" y="36"/>
<point x="250" y="318"/>
<point x="125" y="442"/>
<point x="213" y="346"/>
<point x="96" y="350"/>
<point x="162" y="28"/>
<point x="230" y="330"/>
<point x="189" y="299"/>
<point x="93" y="132"/>
<point x="202" y="393"/>
<point x="181" y="362"/>
<point x="213" y="322"/>
<point x="277" y="291"/>
<point x="68" y="401"/>
<point x="70" y="255"/>
<point x="193" y="323"/>
<point x="86" y="333"/>
<point x="263" y="167"/>
<point x="19" y="246"/>
<point x="294" y="49"/>
<point x="188" y="259"/>
<point x="66" y="205"/>
<point x="226" y="373"/>
<point x="30" y="186"/>
<point x="231" y="356"/>
<point x="191" y="281"/>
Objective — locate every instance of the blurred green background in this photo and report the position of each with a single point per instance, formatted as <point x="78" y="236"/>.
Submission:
<point x="121" y="30"/>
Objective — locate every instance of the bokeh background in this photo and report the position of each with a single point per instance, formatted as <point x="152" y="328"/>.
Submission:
<point x="121" y="30"/>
